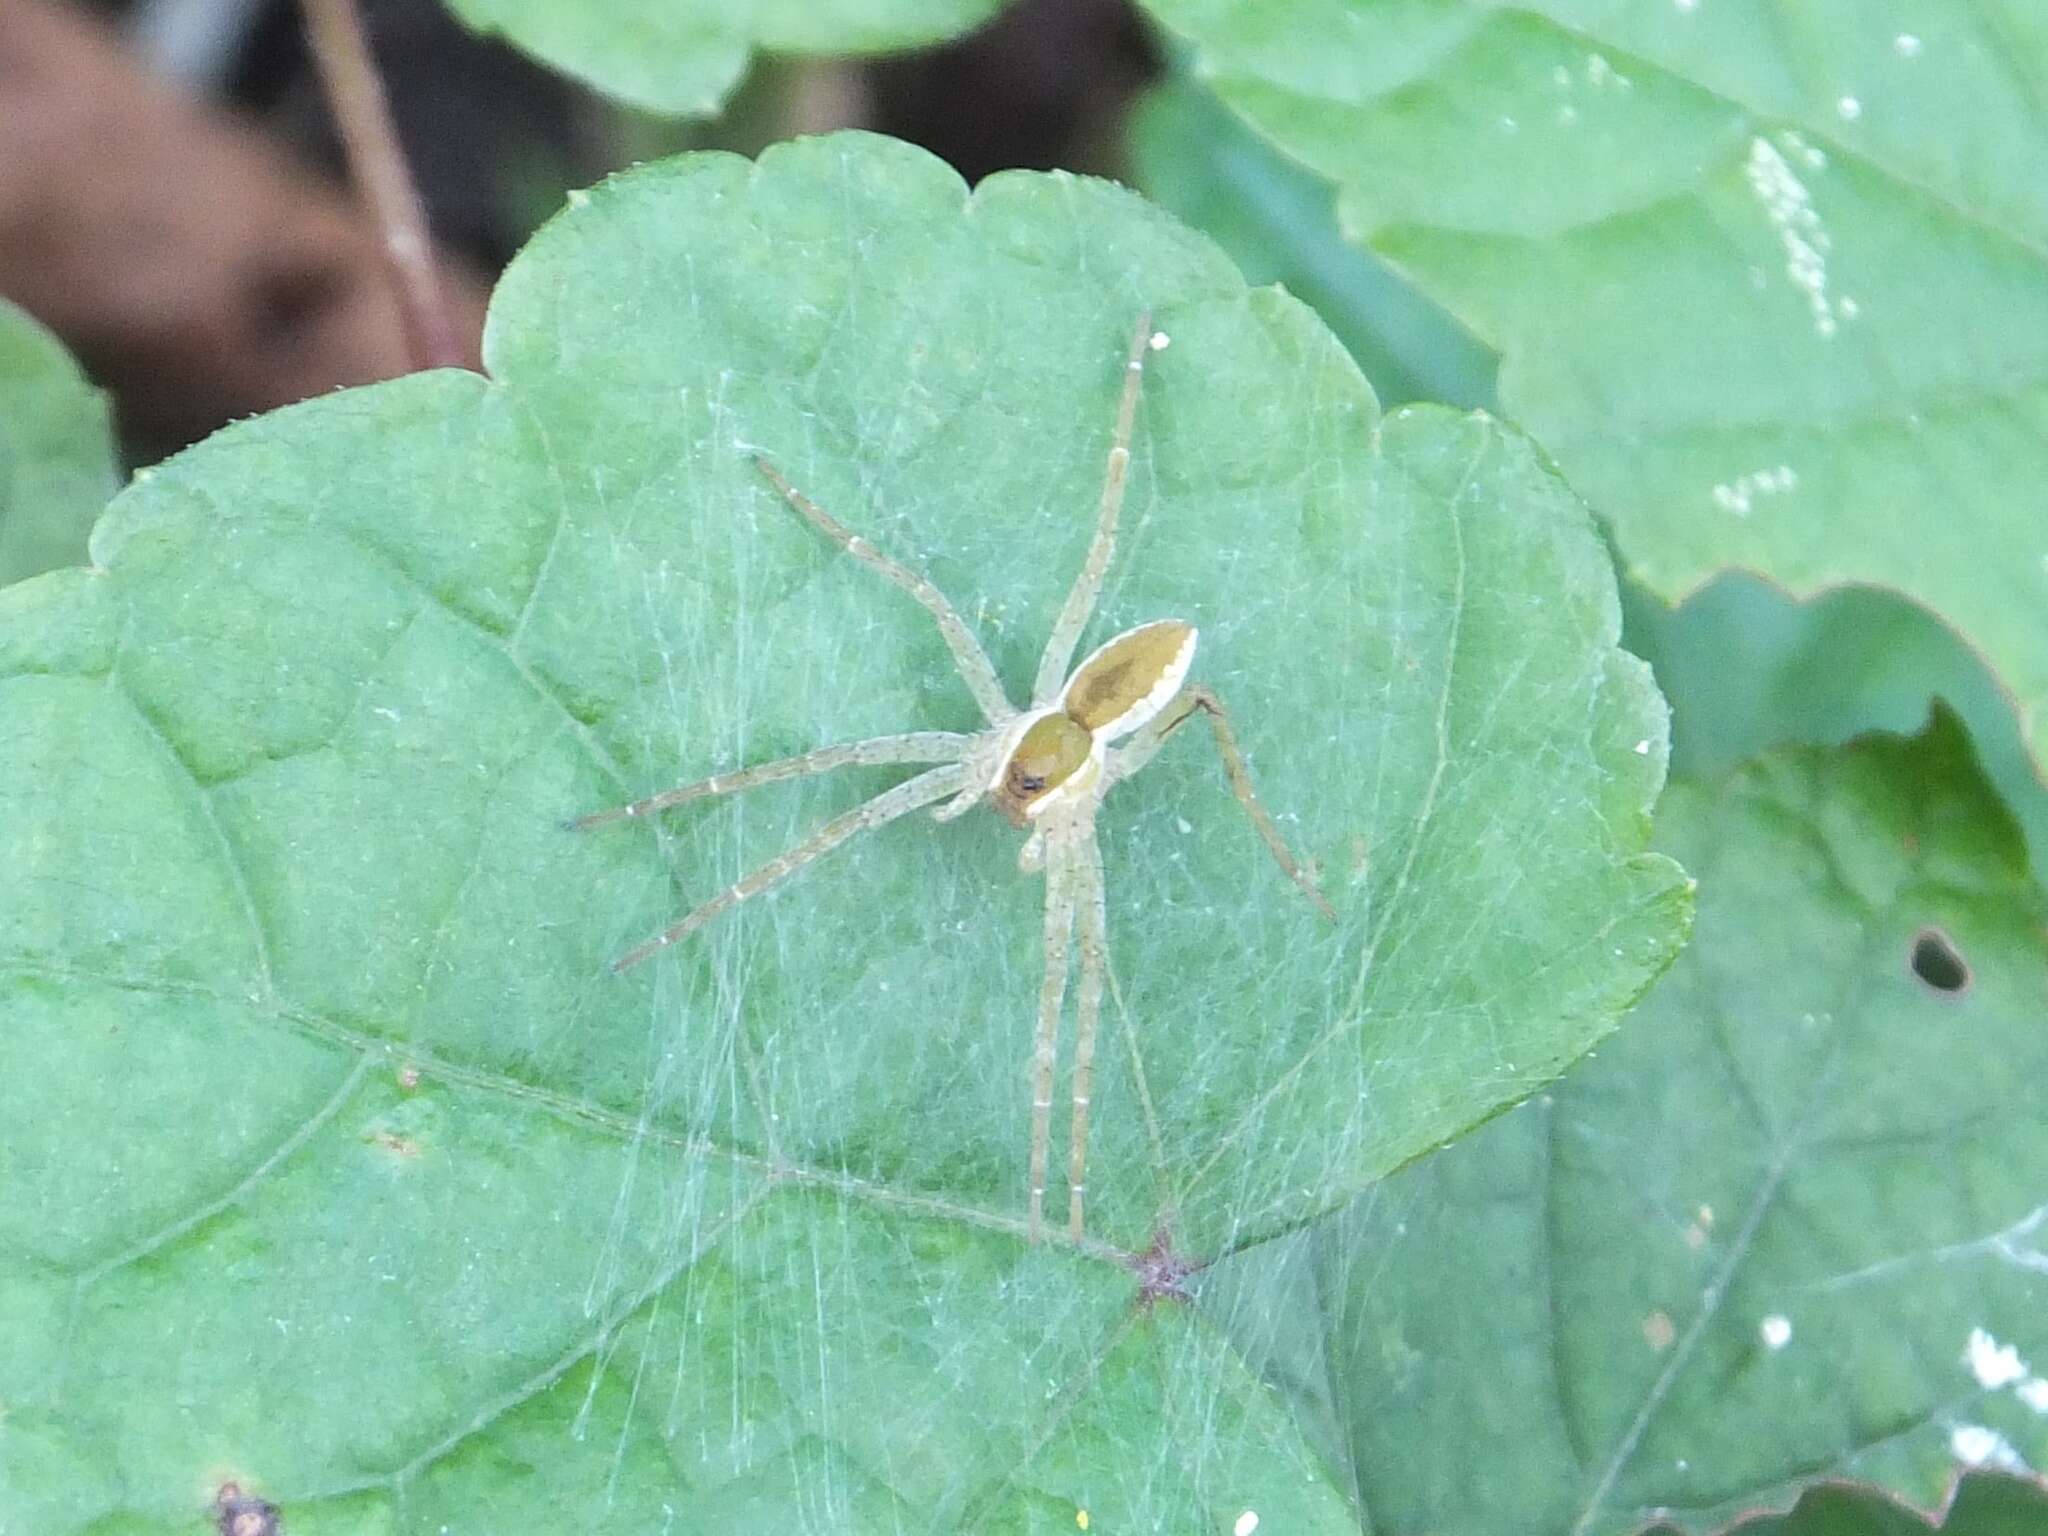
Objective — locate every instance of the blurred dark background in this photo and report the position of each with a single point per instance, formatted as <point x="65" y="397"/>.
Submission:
<point x="173" y="201"/>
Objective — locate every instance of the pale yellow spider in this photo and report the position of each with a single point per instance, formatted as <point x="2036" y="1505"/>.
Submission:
<point x="1045" y="768"/>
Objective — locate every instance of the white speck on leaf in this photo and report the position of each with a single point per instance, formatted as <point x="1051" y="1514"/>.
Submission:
<point x="1849" y="108"/>
<point x="1182" y="825"/>
<point x="1160" y="341"/>
<point x="1740" y="495"/>
<point x="1686" y="6"/>
<point x="1906" y="46"/>
<point x="1789" y="208"/>
<point x="578" y="198"/>
<point x="1563" y="77"/>
<point x="1600" y="73"/>
<point x="1810" y="157"/>
<point x="1776" y="1331"/>
<point x="1246" y="1523"/>
<point x="1976" y="1446"/>
<point x="2034" y="1393"/>
<point x="1994" y="1364"/>
<point x="1643" y="747"/>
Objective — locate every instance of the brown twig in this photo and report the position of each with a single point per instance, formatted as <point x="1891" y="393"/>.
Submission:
<point x="342" y="55"/>
<point x="199" y="273"/>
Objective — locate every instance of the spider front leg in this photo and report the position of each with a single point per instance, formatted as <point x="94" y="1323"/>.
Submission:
<point x="1094" y="924"/>
<point x="910" y="795"/>
<point x="1198" y="699"/>
<point x="911" y="747"/>
<point x="1052" y="997"/>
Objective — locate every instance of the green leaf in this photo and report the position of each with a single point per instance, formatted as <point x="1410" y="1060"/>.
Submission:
<point x="355" y="1176"/>
<point x="57" y="462"/>
<point x="1278" y="221"/>
<point x="1984" y="1504"/>
<point x="1785" y="1226"/>
<point x="1773" y="290"/>
<point x="684" y="56"/>
<point x="1746" y="667"/>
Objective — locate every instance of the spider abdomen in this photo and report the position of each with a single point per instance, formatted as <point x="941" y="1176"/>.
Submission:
<point x="1120" y="687"/>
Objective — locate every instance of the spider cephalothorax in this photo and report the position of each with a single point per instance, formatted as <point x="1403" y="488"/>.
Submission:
<point x="1045" y="768"/>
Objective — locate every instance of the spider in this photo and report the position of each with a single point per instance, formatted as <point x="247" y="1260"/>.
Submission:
<point x="1045" y="768"/>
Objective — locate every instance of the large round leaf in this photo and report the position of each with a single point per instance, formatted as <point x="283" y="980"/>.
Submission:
<point x="1980" y="1504"/>
<point x="341" y="1166"/>
<point x="1773" y="289"/>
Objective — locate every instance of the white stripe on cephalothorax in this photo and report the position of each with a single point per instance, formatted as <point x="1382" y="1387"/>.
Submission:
<point x="1080" y="782"/>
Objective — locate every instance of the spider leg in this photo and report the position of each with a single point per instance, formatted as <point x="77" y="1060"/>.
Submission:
<point x="935" y="784"/>
<point x="978" y="762"/>
<point x="1094" y="924"/>
<point x="913" y="747"/>
<point x="963" y="802"/>
<point x="1052" y="996"/>
<point x="976" y="670"/>
<point x="1080" y="603"/>
<point x="1141" y="748"/>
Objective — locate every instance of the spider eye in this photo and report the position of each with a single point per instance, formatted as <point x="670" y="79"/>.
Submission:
<point x="1031" y="783"/>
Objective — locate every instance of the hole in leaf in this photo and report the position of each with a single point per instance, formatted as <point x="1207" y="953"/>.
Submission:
<point x="1938" y="963"/>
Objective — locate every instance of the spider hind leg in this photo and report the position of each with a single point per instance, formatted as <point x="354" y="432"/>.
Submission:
<point x="1200" y="699"/>
<point x="1079" y="606"/>
<point x="976" y="670"/>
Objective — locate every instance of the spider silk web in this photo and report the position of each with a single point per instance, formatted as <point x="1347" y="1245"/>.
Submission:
<point x="819" y="1208"/>
<point x="470" y="1233"/>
